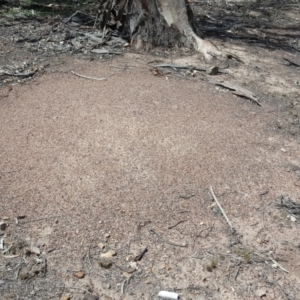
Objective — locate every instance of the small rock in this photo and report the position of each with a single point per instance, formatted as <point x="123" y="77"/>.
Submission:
<point x="46" y="231"/>
<point x="104" y="262"/>
<point x="108" y="254"/>
<point x="254" y="14"/>
<point x="293" y="219"/>
<point x="212" y="71"/>
<point x="261" y="292"/>
<point x="3" y="225"/>
<point x="129" y="257"/>
<point x="79" y="274"/>
<point x="106" y="286"/>
<point x="105" y="297"/>
<point x="35" y="250"/>
<point x="90" y="297"/>
<point x="101" y="245"/>
<point x="107" y="235"/>
<point x="65" y="297"/>
<point x="133" y="265"/>
<point x="23" y="275"/>
<point x="5" y="218"/>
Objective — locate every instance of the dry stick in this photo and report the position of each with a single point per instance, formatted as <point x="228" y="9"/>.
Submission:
<point x="171" y="227"/>
<point x="96" y="21"/>
<point x="140" y="256"/>
<point x="87" y="77"/>
<point x="91" y="267"/>
<point x="170" y="243"/>
<point x="125" y="282"/>
<point x="273" y="261"/>
<point x="126" y="271"/>
<point x="74" y="288"/>
<point x="34" y="220"/>
<point x="223" y="212"/>
<point x="237" y="273"/>
<point x="280" y="266"/>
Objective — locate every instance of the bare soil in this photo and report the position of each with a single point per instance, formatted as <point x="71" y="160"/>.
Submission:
<point x="126" y="164"/>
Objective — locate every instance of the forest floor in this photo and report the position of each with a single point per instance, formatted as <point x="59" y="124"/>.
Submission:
<point x="105" y="185"/>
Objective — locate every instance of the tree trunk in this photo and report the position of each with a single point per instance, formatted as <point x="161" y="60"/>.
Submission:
<point x="150" y="23"/>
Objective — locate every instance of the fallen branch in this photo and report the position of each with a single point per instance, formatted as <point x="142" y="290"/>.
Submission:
<point x="87" y="77"/>
<point x="291" y="63"/>
<point x="220" y="29"/>
<point x="237" y="90"/>
<point x="170" y="243"/>
<point x="105" y="51"/>
<point x="223" y="212"/>
<point x="175" y="67"/>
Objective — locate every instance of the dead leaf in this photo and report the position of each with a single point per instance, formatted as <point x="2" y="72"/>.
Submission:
<point x="212" y="70"/>
<point x="101" y="245"/>
<point x="65" y="297"/>
<point x="79" y="274"/>
<point x="108" y="254"/>
<point x="293" y="219"/>
<point x="90" y="297"/>
<point x="261" y="292"/>
<point x="104" y="297"/>
<point x="133" y="265"/>
<point x="46" y="231"/>
<point x="157" y="72"/>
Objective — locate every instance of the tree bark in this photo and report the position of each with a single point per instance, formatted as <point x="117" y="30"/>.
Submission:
<point x="151" y="23"/>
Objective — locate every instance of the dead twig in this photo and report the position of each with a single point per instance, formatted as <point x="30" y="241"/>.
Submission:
<point x="278" y="265"/>
<point x="237" y="273"/>
<point x="140" y="256"/>
<point x="35" y="220"/>
<point x="74" y="288"/>
<point x="124" y="270"/>
<point x="273" y="261"/>
<point x="171" y="227"/>
<point x="191" y="68"/>
<point x="170" y="243"/>
<point x="87" y="77"/>
<point x="223" y="212"/>
<point x="126" y="282"/>
<point x="291" y="63"/>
